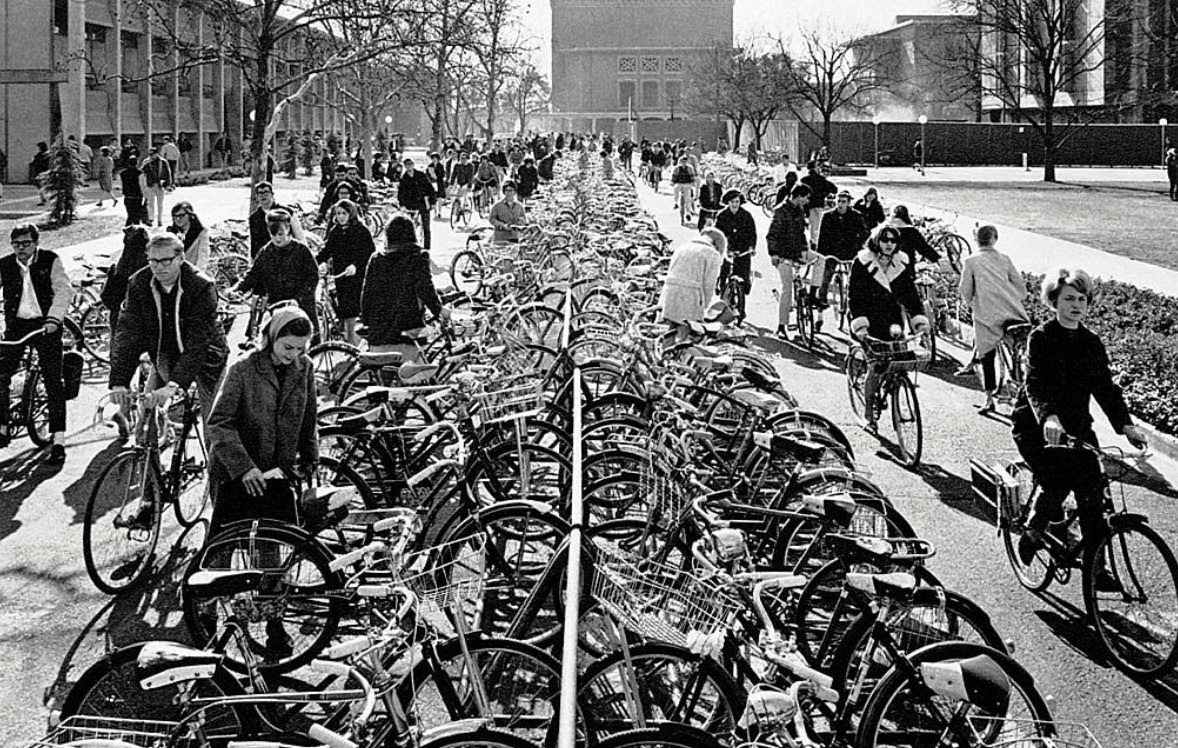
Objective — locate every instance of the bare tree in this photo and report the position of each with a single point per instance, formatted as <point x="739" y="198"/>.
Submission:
<point x="499" y="44"/>
<point x="526" y="93"/>
<point x="714" y="87"/>
<point x="1035" y="58"/>
<point x="830" y="70"/>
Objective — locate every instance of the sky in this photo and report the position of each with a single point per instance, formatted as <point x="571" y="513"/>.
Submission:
<point x="772" y="17"/>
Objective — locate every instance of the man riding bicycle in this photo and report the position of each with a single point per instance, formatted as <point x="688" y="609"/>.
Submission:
<point x="840" y="237"/>
<point x="683" y="179"/>
<point x="486" y="181"/>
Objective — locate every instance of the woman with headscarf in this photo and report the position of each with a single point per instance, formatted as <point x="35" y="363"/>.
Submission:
<point x="870" y="209"/>
<point x="347" y="248"/>
<point x="691" y="279"/>
<point x="187" y="226"/>
<point x="263" y="424"/>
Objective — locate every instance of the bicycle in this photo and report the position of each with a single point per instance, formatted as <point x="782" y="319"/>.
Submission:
<point x="121" y="524"/>
<point x="733" y="290"/>
<point x="1011" y="360"/>
<point x="461" y="208"/>
<point x="892" y="359"/>
<point x="1136" y="565"/>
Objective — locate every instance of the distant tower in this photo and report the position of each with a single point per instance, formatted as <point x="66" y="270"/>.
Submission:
<point x="610" y="54"/>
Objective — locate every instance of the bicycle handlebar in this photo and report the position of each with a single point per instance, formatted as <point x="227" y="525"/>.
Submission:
<point x="25" y="339"/>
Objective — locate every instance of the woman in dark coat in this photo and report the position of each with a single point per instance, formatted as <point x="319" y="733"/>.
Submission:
<point x="870" y="209"/>
<point x="347" y="248"/>
<point x="881" y="290"/>
<point x="132" y="260"/>
<point x="912" y="241"/>
<point x="527" y="179"/>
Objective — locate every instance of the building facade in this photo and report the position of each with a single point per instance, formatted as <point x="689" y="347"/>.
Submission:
<point x="611" y="58"/>
<point x="107" y="53"/>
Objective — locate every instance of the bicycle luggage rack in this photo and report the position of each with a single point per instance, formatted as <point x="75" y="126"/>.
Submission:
<point x="1003" y="484"/>
<point x="138" y="732"/>
<point x="1028" y="733"/>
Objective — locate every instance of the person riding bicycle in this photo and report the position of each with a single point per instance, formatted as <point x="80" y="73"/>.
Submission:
<point x="881" y="290"/>
<point x="912" y="241"/>
<point x="284" y="270"/>
<point x="740" y="230"/>
<point x="461" y="174"/>
<point x="528" y="178"/>
<point x="787" y="244"/>
<point x="840" y="237"/>
<point x="994" y="289"/>
<point x="1067" y="366"/>
<point x="710" y="193"/>
<point x="683" y="180"/>
<point x="37" y="296"/>
<point x="820" y="189"/>
<point x="169" y="313"/>
<point x="259" y="231"/>
<point x="486" y="176"/>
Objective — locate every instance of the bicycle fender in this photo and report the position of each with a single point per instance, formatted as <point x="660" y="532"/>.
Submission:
<point x="1127" y="519"/>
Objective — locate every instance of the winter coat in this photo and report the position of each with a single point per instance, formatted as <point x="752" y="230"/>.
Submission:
<point x="787" y="233"/>
<point x="691" y="281"/>
<point x="878" y="297"/>
<point x="348" y="245"/>
<point x="397" y="287"/>
<point x="282" y="273"/>
<point x="913" y="243"/>
<point x="261" y="421"/>
<point x="527" y="179"/>
<point x="994" y="289"/>
<point x="872" y="215"/>
<point x="820" y="187"/>
<point x="841" y="235"/>
<point x="415" y="192"/>
<point x="132" y="260"/>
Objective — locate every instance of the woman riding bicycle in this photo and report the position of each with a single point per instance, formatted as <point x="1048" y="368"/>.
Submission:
<point x="1067" y="366"/>
<point x="881" y="290"/>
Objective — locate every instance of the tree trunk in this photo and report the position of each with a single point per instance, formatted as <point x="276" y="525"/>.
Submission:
<point x="1049" y="145"/>
<point x="737" y="126"/>
<point x="826" y="130"/>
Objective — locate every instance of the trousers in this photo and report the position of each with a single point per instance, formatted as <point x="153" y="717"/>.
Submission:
<point x="49" y="350"/>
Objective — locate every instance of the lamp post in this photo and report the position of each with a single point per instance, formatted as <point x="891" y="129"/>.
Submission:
<point x="1163" y="122"/>
<point x="875" y="121"/>
<point x="923" y="145"/>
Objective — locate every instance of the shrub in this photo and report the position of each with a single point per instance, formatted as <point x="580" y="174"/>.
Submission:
<point x="62" y="181"/>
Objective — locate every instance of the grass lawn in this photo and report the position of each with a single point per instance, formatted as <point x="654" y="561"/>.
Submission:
<point x="1129" y="219"/>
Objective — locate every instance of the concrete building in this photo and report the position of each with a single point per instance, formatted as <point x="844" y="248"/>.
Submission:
<point x="613" y="56"/>
<point x="104" y="51"/>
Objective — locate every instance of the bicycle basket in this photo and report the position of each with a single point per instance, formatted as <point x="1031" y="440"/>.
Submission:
<point x="448" y="575"/>
<point x="659" y="490"/>
<point x="506" y="399"/>
<point x="660" y="602"/>
<point x="1005" y="732"/>
<point x="139" y="732"/>
<point x="898" y="354"/>
<point x="1006" y="484"/>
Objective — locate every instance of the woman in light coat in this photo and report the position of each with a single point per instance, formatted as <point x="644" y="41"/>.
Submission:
<point x="994" y="289"/>
<point x="691" y="279"/>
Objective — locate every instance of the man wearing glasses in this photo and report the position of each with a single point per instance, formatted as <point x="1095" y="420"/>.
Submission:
<point x="259" y="231"/>
<point x="170" y="313"/>
<point x="37" y="296"/>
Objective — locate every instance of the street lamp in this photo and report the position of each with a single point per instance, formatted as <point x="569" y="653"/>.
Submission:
<point x="875" y="121"/>
<point x="1163" y="122"/>
<point x="923" y="146"/>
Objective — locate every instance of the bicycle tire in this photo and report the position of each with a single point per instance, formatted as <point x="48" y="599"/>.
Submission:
<point x="558" y="267"/>
<point x="96" y="332"/>
<point x="35" y="402"/>
<point x="928" y="339"/>
<point x="894" y="683"/>
<point x="539" y="324"/>
<point x="192" y="491"/>
<point x="117" y="499"/>
<point x="842" y="308"/>
<point x="1127" y="635"/>
<point x="677" y="686"/>
<point x="812" y="422"/>
<point x="476" y="737"/>
<point x="1038" y="575"/>
<point x="956" y="247"/>
<point x="332" y="472"/>
<point x="110" y="688"/>
<point x="520" y="471"/>
<point x="468" y="266"/>
<point x="855" y="369"/>
<point x="666" y="735"/>
<point x="803" y="316"/>
<point x="330" y="362"/>
<point x="906" y="419"/>
<point x="796" y="551"/>
<point x="291" y="558"/>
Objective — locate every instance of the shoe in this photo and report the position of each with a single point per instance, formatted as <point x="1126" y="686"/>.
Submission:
<point x="99" y="204"/>
<point x="56" y="455"/>
<point x="986" y="407"/>
<point x="1029" y="543"/>
<point x="966" y="370"/>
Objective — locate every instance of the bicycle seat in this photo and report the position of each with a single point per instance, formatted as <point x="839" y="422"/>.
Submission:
<point x="781" y="445"/>
<point x="756" y="399"/>
<point x="352" y="425"/>
<point x="897" y="586"/>
<point x="417" y="373"/>
<point x="712" y="363"/>
<point x="388" y="358"/>
<point x="854" y="549"/>
<point x="699" y="349"/>
<point x="705" y="328"/>
<point x="221" y="583"/>
<point x="838" y="508"/>
<point x="161" y="664"/>
<point x="977" y="680"/>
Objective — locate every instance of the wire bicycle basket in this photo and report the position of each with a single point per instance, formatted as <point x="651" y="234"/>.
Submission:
<point x="450" y="575"/>
<point x="898" y="355"/>
<point x="138" y="732"/>
<point x="1006" y="732"/>
<point x="508" y="399"/>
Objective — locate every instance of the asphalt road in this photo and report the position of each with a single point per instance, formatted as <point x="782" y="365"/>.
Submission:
<point x="53" y="623"/>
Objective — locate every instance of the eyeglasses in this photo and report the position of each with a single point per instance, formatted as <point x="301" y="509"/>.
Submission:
<point x="22" y="243"/>
<point x="887" y="241"/>
<point x="181" y="214"/>
<point x="162" y="262"/>
<point x="263" y="192"/>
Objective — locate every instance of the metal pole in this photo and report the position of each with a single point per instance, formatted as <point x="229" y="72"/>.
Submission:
<point x="923" y="149"/>
<point x="877" y="145"/>
<point x="567" y="736"/>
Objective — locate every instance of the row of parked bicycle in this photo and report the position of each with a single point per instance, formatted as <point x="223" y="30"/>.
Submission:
<point x="744" y="583"/>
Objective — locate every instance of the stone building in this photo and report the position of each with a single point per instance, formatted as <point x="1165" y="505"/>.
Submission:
<point x="611" y="57"/>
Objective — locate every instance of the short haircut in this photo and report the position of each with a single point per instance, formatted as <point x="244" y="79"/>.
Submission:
<point x="168" y="240"/>
<point x="844" y="193"/>
<point x="400" y="230"/>
<point x="1053" y="284"/>
<point x="265" y="185"/>
<point x="800" y="190"/>
<point x="299" y="327"/>
<point x="987" y="234"/>
<point x="21" y="229"/>
<point x="509" y="185"/>
<point x="890" y="232"/>
<point x="277" y="218"/>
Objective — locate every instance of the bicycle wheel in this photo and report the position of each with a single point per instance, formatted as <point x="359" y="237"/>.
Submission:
<point x="956" y="247"/>
<point x="539" y="324"/>
<point x="667" y="735"/>
<point x="228" y="269"/>
<point x="332" y="472"/>
<point x="522" y="684"/>
<point x="856" y="371"/>
<point x="906" y="419"/>
<point x="901" y="711"/>
<point x="110" y="688"/>
<point x="928" y="339"/>
<point x="96" y="333"/>
<point x="1138" y="624"/>
<point x="1037" y="575"/>
<point x="331" y="361"/>
<point x="191" y="488"/>
<point x="803" y="315"/>
<point x="293" y="614"/>
<point x="36" y="409"/>
<point x="121" y="526"/>
<point x="841" y="305"/>
<point x="557" y="267"/>
<point x="734" y="297"/>
<point x="477" y="737"/>
<point x="670" y="684"/>
<point x="466" y="272"/>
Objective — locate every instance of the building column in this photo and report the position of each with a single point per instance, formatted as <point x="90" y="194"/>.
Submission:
<point x="174" y="88"/>
<point x="117" y="82"/>
<point x="146" y="97"/>
<point x="73" y="92"/>
<point x="200" y="147"/>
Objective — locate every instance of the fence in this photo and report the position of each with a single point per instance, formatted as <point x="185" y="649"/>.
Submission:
<point x="973" y="144"/>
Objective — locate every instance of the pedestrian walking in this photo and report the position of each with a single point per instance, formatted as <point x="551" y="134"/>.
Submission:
<point x="1172" y="169"/>
<point x="157" y="178"/>
<point x="134" y="195"/>
<point x="170" y="152"/>
<point x="787" y="245"/>
<point x="870" y="209"/>
<point x="194" y="235"/>
<point x="347" y="247"/>
<point x="104" y="171"/>
<point x="184" y="145"/>
<point x="223" y="148"/>
<point x="416" y="195"/>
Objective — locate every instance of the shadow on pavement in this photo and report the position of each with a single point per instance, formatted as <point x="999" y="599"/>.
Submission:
<point x="955" y="492"/>
<point x="1072" y="626"/>
<point x="20" y="475"/>
<point x="149" y="611"/>
<point x="77" y="494"/>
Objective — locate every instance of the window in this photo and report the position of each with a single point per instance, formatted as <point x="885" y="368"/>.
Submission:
<point x="185" y="81"/>
<point x="161" y="62"/>
<point x="674" y="92"/>
<point x="627" y="64"/>
<point x="131" y="70"/>
<point x="672" y="64"/>
<point x="626" y="94"/>
<point x="650" y="64"/>
<point x="650" y="93"/>
<point x="95" y="56"/>
<point x="61" y="17"/>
